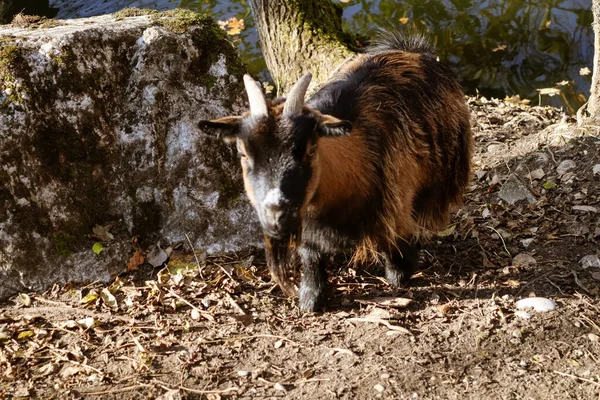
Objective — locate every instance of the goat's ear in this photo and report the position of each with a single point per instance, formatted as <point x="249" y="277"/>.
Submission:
<point x="226" y="128"/>
<point x="330" y="126"/>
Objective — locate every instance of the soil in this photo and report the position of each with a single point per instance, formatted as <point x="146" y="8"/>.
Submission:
<point x="225" y="331"/>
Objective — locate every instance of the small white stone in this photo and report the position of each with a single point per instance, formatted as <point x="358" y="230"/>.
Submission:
<point x="241" y="372"/>
<point x="537" y="174"/>
<point x="527" y="242"/>
<point x="593" y="337"/>
<point x="540" y="304"/>
<point x="279" y="386"/>
<point x="596" y="169"/>
<point x="379" y="388"/>
<point x="523" y="259"/>
<point x="590" y="260"/>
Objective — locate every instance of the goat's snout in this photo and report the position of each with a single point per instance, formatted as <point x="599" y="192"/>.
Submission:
<point x="277" y="215"/>
<point x="273" y="215"/>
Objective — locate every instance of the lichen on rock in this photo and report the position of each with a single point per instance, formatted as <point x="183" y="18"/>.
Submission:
<point x="98" y="127"/>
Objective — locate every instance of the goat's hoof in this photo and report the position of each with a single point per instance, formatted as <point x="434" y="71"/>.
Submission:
<point x="311" y="300"/>
<point x="397" y="277"/>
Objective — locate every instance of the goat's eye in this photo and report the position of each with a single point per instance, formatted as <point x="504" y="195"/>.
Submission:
<point x="311" y="151"/>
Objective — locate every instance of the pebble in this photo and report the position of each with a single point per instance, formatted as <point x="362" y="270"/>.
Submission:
<point x="590" y="260"/>
<point x="527" y="242"/>
<point x="540" y="304"/>
<point x="596" y="169"/>
<point x="379" y="388"/>
<point x="517" y="334"/>
<point x="523" y="259"/>
<point x="537" y="174"/>
<point x="593" y="337"/>
<point x="514" y="190"/>
<point x="279" y="386"/>
<point x="241" y="372"/>
<point x="565" y="166"/>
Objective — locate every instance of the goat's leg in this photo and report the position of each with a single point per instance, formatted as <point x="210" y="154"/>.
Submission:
<point x="401" y="262"/>
<point x="313" y="289"/>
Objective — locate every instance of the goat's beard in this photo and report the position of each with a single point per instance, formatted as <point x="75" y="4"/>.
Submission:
<point x="281" y="260"/>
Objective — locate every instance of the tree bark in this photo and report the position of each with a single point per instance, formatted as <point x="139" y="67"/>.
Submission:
<point x="300" y="36"/>
<point x="593" y="107"/>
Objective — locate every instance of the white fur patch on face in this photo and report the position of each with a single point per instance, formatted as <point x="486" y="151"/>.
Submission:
<point x="274" y="197"/>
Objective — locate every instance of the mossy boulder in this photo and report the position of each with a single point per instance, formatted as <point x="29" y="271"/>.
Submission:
<point x="98" y="133"/>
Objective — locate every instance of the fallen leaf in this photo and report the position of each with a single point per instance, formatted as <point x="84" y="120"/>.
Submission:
<point x="157" y="256"/>
<point x="97" y="248"/>
<point x="101" y="233"/>
<point x="25" y="335"/>
<point x="87" y="323"/>
<point x="403" y="20"/>
<point x="135" y="261"/>
<point x="393" y="302"/>
<point x="88" y="298"/>
<point x="549" y="91"/>
<point x="584" y="71"/>
<point x="499" y="48"/>
<point x="109" y="299"/>
<point x="24" y="299"/>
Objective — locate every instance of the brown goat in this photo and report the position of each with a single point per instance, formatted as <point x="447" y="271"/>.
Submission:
<point x="373" y="160"/>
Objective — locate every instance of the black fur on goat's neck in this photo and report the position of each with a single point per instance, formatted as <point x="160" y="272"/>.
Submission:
<point x="281" y="257"/>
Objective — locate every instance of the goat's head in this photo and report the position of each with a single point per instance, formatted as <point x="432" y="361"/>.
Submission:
<point x="278" y="146"/>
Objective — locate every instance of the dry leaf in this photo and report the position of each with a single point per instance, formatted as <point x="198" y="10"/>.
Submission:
<point x="549" y="91"/>
<point x="403" y="20"/>
<point x="499" y="48"/>
<point x="584" y="71"/>
<point x="135" y="261"/>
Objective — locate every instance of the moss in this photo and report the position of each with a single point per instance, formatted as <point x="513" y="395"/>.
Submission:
<point x="180" y="20"/>
<point x="12" y="67"/>
<point x="133" y="12"/>
<point x="63" y="243"/>
<point x="33" y="21"/>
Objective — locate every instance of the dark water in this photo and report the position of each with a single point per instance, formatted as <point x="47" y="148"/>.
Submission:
<point x="498" y="48"/>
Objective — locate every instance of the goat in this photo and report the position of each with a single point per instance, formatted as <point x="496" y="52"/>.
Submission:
<point x="373" y="160"/>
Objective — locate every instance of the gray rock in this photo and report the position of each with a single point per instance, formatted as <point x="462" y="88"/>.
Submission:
<point x="98" y="127"/>
<point x="590" y="260"/>
<point x="565" y="166"/>
<point x="514" y="190"/>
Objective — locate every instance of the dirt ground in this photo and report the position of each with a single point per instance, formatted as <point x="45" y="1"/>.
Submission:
<point x="224" y="331"/>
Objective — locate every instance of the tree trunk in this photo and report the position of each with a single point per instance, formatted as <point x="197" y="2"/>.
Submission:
<point x="300" y="36"/>
<point x="593" y="107"/>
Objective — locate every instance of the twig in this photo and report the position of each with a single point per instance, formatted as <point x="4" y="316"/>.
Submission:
<point x="235" y="305"/>
<point x="56" y="352"/>
<point x="501" y="238"/>
<point x="121" y="390"/>
<point x="579" y="283"/>
<point x="202" y="313"/>
<point x="251" y="337"/>
<point x="216" y="391"/>
<point x="585" y="317"/>
<point x="54" y="303"/>
<point x="577" y="377"/>
<point x="195" y="256"/>
<point x="383" y="322"/>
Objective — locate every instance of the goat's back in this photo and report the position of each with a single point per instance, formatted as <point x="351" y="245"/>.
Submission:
<point x="412" y="114"/>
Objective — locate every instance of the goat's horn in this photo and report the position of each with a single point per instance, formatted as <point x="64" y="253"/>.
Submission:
<point x="295" y="100"/>
<point x="256" y="97"/>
